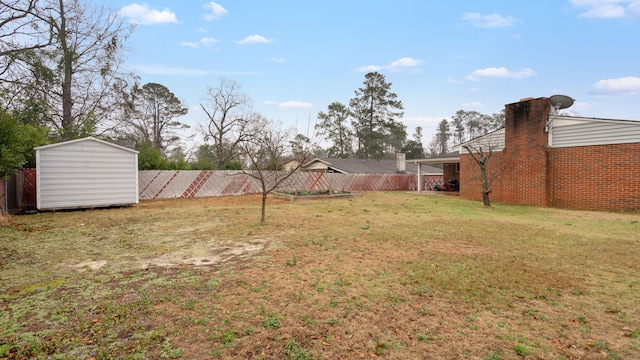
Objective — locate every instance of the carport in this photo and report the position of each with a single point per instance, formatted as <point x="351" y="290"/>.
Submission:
<point x="450" y="166"/>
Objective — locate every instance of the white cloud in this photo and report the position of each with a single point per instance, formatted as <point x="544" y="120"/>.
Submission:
<point x="368" y="68"/>
<point x="294" y="105"/>
<point x="208" y="41"/>
<point x="142" y="14"/>
<point x="500" y="72"/>
<point x="253" y="39"/>
<point x="494" y="20"/>
<point x="204" y="42"/>
<point x="190" y="44"/>
<point x="403" y="63"/>
<point x="277" y="60"/>
<point x="623" y="86"/>
<point x="202" y="29"/>
<point x="397" y="65"/>
<point x="215" y="11"/>
<point x="607" y="9"/>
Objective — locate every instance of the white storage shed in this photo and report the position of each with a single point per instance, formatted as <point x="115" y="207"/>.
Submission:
<point x="85" y="173"/>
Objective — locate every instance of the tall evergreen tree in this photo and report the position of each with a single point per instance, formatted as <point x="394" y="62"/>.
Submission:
<point x="442" y="136"/>
<point x="151" y="116"/>
<point x="413" y="148"/>
<point x="376" y="113"/>
<point x="459" y="130"/>
<point x="335" y="127"/>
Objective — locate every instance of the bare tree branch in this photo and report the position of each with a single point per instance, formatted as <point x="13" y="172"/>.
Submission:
<point x="229" y="114"/>
<point x="267" y="150"/>
<point x="483" y="154"/>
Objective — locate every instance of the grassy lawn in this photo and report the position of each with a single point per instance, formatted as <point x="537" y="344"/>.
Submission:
<point x="389" y="275"/>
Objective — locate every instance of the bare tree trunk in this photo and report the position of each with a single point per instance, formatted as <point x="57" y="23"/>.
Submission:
<point x="264" y="207"/>
<point x="485" y="186"/>
<point x="67" y="58"/>
<point x="485" y="198"/>
<point x="482" y="158"/>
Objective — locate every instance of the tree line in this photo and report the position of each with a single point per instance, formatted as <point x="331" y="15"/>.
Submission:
<point x="61" y="68"/>
<point x="463" y="126"/>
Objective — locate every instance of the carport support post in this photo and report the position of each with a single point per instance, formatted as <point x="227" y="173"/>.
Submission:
<point x="419" y="177"/>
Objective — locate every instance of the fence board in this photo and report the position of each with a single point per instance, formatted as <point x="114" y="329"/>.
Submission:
<point x="164" y="184"/>
<point x="156" y="184"/>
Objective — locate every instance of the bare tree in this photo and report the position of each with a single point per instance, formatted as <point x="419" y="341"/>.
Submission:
<point x="229" y="116"/>
<point x="24" y="26"/>
<point x="267" y="150"/>
<point x="73" y="75"/>
<point x="491" y="167"/>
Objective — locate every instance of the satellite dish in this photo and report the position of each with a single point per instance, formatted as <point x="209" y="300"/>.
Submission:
<point x="559" y="102"/>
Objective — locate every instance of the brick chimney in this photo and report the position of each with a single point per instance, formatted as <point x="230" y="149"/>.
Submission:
<point x="401" y="165"/>
<point x="526" y="151"/>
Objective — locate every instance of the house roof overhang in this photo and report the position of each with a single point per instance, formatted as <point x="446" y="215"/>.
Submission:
<point x="436" y="160"/>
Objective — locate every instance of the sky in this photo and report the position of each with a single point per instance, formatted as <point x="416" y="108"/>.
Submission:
<point x="294" y="58"/>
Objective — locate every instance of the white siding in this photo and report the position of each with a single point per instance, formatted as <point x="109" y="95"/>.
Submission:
<point x="493" y="141"/>
<point x="574" y="131"/>
<point x="86" y="173"/>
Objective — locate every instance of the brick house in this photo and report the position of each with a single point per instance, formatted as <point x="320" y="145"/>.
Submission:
<point x="555" y="161"/>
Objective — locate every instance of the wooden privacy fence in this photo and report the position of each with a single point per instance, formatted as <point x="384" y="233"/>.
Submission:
<point x="20" y="191"/>
<point x="163" y="184"/>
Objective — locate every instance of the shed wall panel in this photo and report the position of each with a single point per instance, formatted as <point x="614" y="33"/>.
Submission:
<point x="86" y="174"/>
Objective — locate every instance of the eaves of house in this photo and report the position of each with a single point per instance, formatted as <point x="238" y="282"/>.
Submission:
<point x="365" y="166"/>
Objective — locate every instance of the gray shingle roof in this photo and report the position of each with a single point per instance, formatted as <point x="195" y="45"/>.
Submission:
<point x="373" y="166"/>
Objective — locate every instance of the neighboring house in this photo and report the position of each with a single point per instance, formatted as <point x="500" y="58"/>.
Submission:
<point x="361" y="166"/>
<point x="426" y="176"/>
<point x="85" y="173"/>
<point x="291" y="165"/>
<point x="555" y="161"/>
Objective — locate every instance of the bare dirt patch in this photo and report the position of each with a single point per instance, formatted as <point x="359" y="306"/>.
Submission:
<point x="207" y="254"/>
<point x="388" y="275"/>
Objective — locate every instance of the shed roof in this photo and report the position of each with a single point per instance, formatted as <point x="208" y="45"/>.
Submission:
<point x="90" y="138"/>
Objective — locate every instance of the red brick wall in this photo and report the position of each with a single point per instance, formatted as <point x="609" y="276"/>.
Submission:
<point x="604" y="177"/>
<point x="470" y="178"/>
<point x="522" y="163"/>
<point x="449" y="172"/>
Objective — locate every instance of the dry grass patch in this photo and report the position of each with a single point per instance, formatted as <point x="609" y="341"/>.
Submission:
<point x="390" y="275"/>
